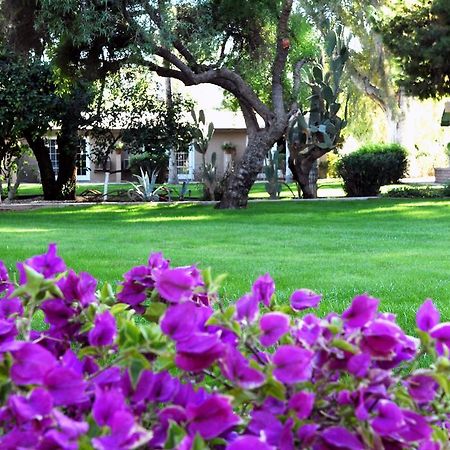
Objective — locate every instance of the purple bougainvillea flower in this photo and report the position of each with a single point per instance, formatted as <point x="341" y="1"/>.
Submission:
<point x="31" y="363"/>
<point x="415" y="427"/>
<point x="134" y="288"/>
<point x="37" y="404"/>
<point x="10" y="306"/>
<point x="247" y="442"/>
<point x="80" y="288"/>
<point x="266" y="423"/>
<point x="125" y="434"/>
<point x="358" y="365"/>
<point x="361" y="311"/>
<point x="163" y="388"/>
<point x="175" y="285"/>
<point x="18" y="439"/>
<point x="198" y="352"/>
<point x="157" y="261"/>
<point x="181" y="320"/>
<point x="309" y="329"/>
<point x="389" y="418"/>
<point x="287" y="436"/>
<point x="302" y="403"/>
<point x="307" y="433"/>
<point x="292" y="364"/>
<point x="247" y="308"/>
<point x="48" y="264"/>
<point x="381" y="337"/>
<point x="8" y="332"/>
<point x="422" y="388"/>
<point x="212" y="417"/>
<point x="4" y="277"/>
<point x="72" y="428"/>
<point x="65" y="385"/>
<point x="263" y="289"/>
<point x="441" y="333"/>
<point x="107" y="403"/>
<point x="427" y="316"/>
<point x="104" y="330"/>
<point x="237" y="368"/>
<point x="341" y="438"/>
<point x="57" y="313"/>
<point x="273" y="326"/>
<point x="304" y="299"/>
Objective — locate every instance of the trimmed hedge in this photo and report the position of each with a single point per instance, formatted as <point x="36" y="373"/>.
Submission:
<point x="372" y="166"/>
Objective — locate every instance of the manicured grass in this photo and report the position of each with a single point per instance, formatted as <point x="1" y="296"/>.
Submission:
<point x="327" y="188"/>
<point x="396" y="250"/>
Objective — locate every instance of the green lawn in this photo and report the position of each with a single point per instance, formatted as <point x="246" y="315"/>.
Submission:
<point x="327" y="188"/>
<point x="397" y="250"/>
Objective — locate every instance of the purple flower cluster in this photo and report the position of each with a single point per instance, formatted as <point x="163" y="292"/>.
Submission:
<point x="166" y="365"/>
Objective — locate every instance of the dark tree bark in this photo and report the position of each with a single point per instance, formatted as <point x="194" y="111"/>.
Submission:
<point x="47" y="173"/>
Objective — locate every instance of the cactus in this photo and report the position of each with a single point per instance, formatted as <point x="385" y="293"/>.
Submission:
<point x="202" y="134"/>
<point x="209" y="177"/>
<point x="273" y="186"/>
<point x="308" y="141"/>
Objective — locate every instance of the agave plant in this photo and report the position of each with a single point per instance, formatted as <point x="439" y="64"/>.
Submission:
<point x="146" y="190"/>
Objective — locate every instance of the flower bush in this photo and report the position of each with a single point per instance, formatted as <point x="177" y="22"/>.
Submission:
<point x="163" y="364"/>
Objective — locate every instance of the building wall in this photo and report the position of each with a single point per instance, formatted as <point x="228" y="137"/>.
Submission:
<point x="236" y="137"/>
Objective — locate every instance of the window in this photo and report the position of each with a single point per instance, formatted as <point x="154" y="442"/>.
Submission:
<point x="82" y="158"/>
<point x="54" y="154"/>
<point x="182" y="162"/>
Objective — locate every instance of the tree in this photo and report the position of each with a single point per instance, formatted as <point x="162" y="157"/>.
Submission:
<point x="370" y="67"/>
<point x="130" y="112"/>
<point x="75" y="64"/>
<point x="202" y="40"/>
<point x="322" y="134"/>
<point x="419" y="37"/>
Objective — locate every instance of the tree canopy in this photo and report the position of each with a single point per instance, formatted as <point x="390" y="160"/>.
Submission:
<point x="419" y="37"/>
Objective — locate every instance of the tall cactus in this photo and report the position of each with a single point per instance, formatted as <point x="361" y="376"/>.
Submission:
<point x="202" y="133"/>
<point x="309" y="140"/>
<point x="202" y="137"/>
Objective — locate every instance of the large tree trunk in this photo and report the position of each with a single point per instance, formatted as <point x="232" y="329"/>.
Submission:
<point x="301" y="167"/>
<point x="240" y="181"/>
<point x="68" y="146"/>
<point x="47" y="173"/>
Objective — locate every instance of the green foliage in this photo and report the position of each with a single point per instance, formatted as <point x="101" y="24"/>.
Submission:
<point x="325" y="125"/>
<point x="417" y="192"/>
<point x="419" y="36"/>
<point x="129" y="111"/>
<point x="201" y="133"/>
<point x="371" y="167"/>
<point x="272" y="185"/>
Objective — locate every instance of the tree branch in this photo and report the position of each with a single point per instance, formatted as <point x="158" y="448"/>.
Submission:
<point x="250" y="118"/>
<point x="363" y="84"/>
<point x="280" y="59"/>
<point x="296" y="85"/>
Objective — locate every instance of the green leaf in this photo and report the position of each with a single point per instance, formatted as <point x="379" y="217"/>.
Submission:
<point x="318" y="74"/>
<point x="119" y="308"/>
<point x="175" y="435"/>
<point x="155" y="311"/>
<point x="199" y="443"/>
<point x="275" y="389"/>
<point x="328" y="95"/>
<point x="344" y="345"/>
<point x="34" y="280"/>
<point x="201" y="116"/>
<point x="330" y="42"/>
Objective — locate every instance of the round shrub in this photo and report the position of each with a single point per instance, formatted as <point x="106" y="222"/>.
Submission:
<point x="370" y="167"/>
<point x="161" y="363"/>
